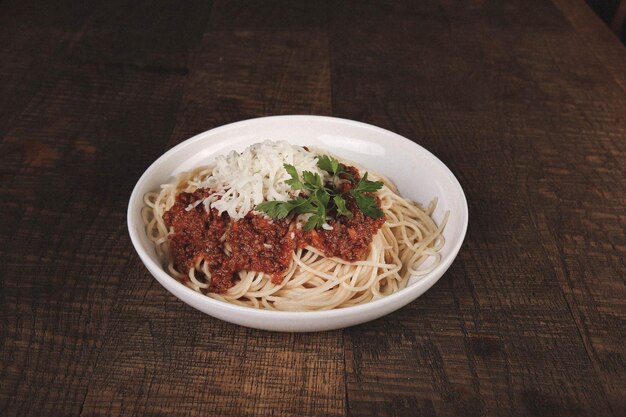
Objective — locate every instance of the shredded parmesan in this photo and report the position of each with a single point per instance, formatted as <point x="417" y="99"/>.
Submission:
<point x="193" y="205"/>
<point x="243" y="180"/>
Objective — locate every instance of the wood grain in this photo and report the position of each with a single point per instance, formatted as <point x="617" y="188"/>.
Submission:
<point x="208" y="366"/>
<point x="597" y="37"/>
<point x="496" y="335"/>
<point x="523" y="100"/>
<point x="69" y="161"/>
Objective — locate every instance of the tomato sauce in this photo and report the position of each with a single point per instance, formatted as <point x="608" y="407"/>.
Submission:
<point x="256" y="243"/>
<point x="349" y="239"/>
<point x="198" y="234"/>
<point x="263" y="245"/>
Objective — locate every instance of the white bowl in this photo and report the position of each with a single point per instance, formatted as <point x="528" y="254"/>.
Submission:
<point x="417" y="173"/>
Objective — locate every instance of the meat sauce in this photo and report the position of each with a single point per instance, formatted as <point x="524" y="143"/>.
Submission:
<point x="256" y="243"/>
<point x="349" y="239"/>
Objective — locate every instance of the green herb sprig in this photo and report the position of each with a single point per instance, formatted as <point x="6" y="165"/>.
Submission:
<point x="322" y="199"/>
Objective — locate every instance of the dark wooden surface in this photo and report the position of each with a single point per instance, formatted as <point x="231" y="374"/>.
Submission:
<point x="524" y="100"/>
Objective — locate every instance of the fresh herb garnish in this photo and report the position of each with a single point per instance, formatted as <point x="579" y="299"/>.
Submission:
<point x="330" y="165"/>
<point x="322" y="199"/>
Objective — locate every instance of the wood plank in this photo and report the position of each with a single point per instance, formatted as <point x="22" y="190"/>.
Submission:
<point x="69" y="160"/>
<point x="507" y="110"/>
<point x="72" y="163"/>
<point x="246" y="74"/>
<point x="597" y="38"/>
<point x="269" y="15"/>
<point x="190" y="363"/>
<point x="524" y="101"/>
<point x="31" y="37"/>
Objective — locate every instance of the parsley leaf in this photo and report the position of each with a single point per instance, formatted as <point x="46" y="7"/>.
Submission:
<point x="329" y="164"/>
<point x="314" y="222"/>
<point x="312" y="181"/>
<point x="322" y="196"/>
<point x="304" y="206"/>
<point x="341" y="206"/>
<point x="368" y="186"/>
<point x="367" y="204"/>
<point x="319" y="199"/>
<point x="298" y="203"/>
<point x="275" y="209"/>
<point x="294" y="182"/>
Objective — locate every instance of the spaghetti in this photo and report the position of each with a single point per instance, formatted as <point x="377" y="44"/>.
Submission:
<point x="303" y="271"/>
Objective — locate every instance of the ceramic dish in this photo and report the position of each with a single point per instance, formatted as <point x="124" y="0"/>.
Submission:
<point x="417" y="173"/>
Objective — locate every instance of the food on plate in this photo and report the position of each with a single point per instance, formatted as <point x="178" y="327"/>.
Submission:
<point x="286" y="227"/>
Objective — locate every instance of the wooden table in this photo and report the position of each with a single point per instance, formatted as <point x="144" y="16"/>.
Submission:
<point x="525" y="101"/>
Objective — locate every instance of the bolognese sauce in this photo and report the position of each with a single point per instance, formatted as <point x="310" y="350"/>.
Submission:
<point x="253" y="243"/>
<point x="198" y="234"/>
<point x="256" y="243"/>
<point x="346" y="238"/>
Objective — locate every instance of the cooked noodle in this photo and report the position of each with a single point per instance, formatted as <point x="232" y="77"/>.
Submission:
<point x="408" y="243"/>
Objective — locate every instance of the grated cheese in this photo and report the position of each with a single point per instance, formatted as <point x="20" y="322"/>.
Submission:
<point x="243" y="180"/>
